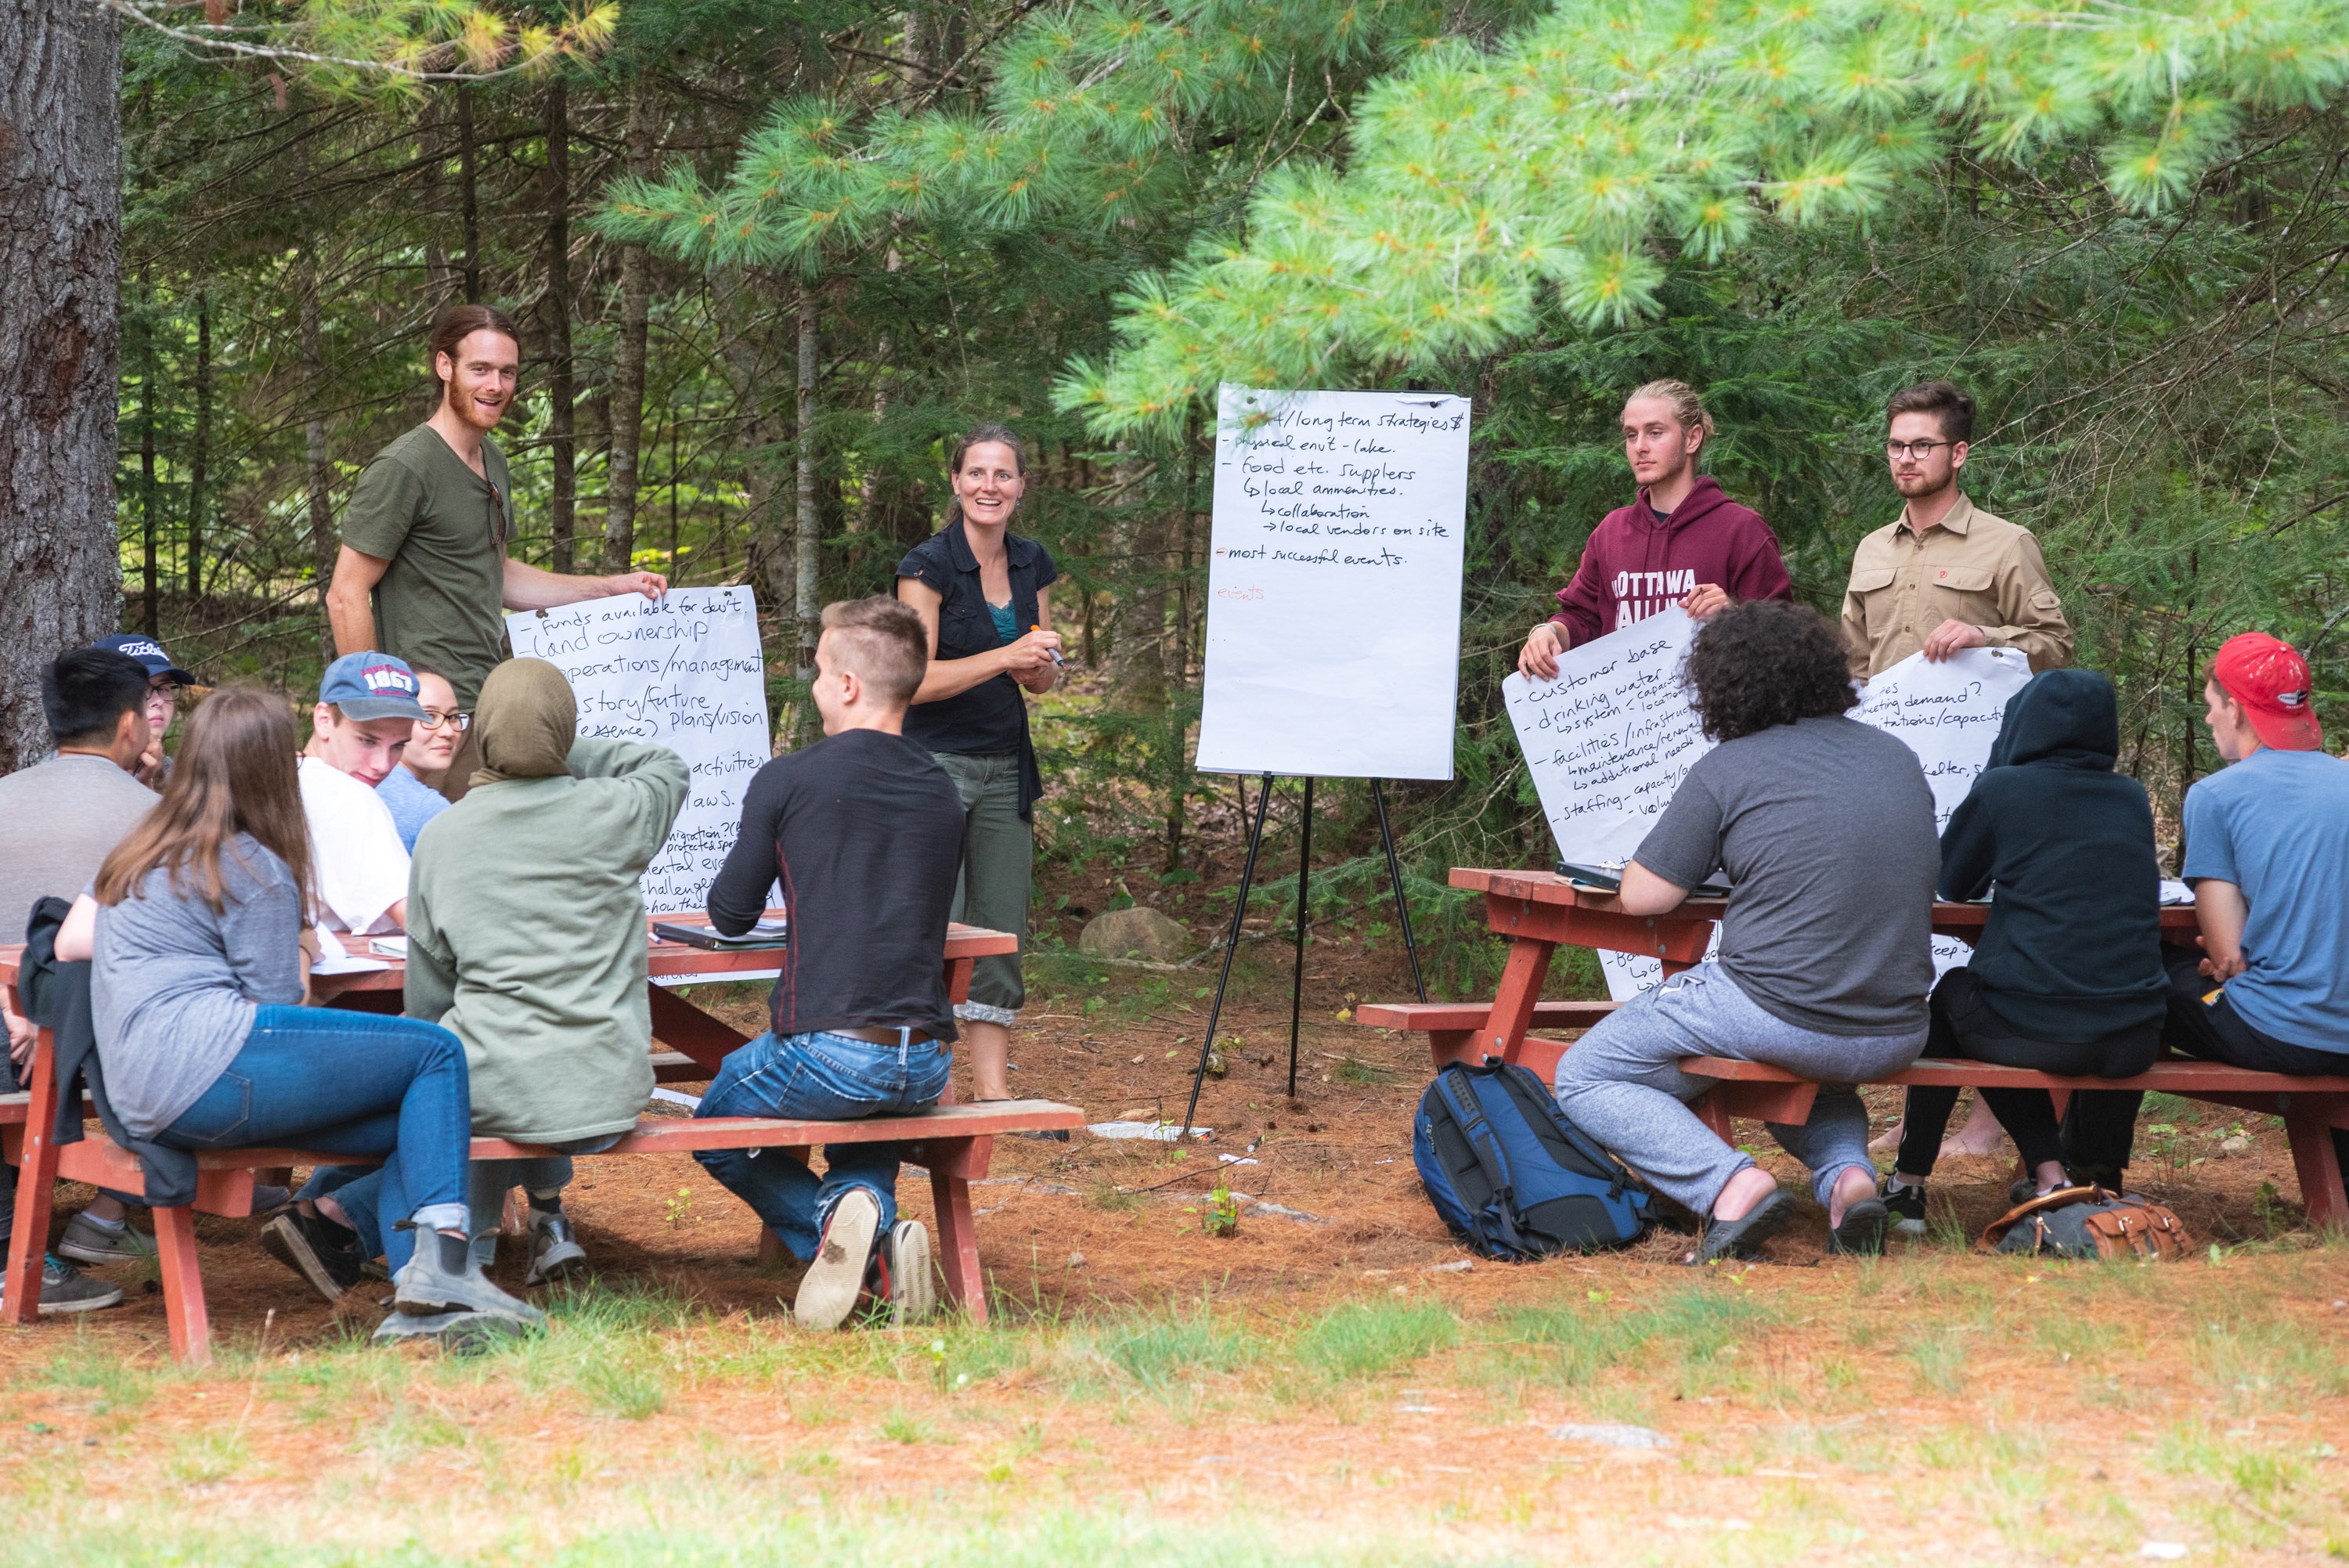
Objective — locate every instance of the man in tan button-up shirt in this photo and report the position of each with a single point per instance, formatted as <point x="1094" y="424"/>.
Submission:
<point x="1946" y="576"/>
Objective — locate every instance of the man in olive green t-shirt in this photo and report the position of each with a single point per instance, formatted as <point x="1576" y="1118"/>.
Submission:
<point x="423" y="572"/>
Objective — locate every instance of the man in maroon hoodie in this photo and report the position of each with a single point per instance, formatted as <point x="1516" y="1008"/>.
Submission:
<point x="1680" y="543"/>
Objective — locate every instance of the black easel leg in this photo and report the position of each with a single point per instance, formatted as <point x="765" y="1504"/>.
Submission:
<point x="1231" y="947"/>
<point x="1297" y="976"/>
<point x="1394" y="876"/>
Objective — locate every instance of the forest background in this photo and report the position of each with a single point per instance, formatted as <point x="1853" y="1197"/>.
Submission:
<point x="769" y="259"/>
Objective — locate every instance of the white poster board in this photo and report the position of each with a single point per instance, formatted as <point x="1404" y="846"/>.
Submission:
<point x="1948" y="713"/>
<point x="1333" y="584"/>
<point x="687" y="672"/>
<point x="1611" y="737"/>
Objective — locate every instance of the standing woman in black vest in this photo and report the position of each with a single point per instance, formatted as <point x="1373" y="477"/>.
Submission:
<point x="983" y="591"/>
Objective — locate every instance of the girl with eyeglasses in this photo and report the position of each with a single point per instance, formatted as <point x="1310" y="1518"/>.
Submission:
<point x="412" y="789"/>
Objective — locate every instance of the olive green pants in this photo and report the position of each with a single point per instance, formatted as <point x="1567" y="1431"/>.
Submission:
<point x="999" y="860"/>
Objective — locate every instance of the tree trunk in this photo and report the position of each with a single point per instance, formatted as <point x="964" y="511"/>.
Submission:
<point x="628" y="361"/>
<point x="1137" y="652"/>
<point x="468" y="196"/>
<point x="809" y="547"/>
<point x="199" y="460"/>
<point x="313" y="445"/>
<point x="60" y="266"/>
<point x="562" y="450"/>
<point x="150" y="582"/>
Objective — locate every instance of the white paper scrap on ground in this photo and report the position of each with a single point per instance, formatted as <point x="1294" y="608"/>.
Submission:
<point x="684" y="672"/>
<point x="1334" y="584"/>
<point x="1155" y="1131"/>
<point x="1611" y="737"/>
<point x="1947" y="712"/>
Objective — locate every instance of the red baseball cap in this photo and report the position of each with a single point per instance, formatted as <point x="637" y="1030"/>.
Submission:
<point x="2271" y="680"/>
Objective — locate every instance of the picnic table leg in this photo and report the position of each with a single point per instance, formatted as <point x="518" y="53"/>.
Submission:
<point x="952" y="1162"/>
<point x="1513" y="1004"/>
<point x="37" y="1178"/>
<point x="184" y="1286"/>
<point x="2308" y="1122"/>
<point x="959" y="972"/>
<point x="682" y="1027"/>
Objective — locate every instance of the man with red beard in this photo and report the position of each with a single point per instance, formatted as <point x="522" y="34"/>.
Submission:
<point x="423" y="572"/>
<point x="1681" y="541"/>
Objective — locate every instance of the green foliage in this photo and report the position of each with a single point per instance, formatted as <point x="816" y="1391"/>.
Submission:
<point x="1574" y="161"/>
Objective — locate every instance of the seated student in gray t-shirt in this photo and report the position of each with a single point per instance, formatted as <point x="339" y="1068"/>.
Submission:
<point x="1824" y="828"/>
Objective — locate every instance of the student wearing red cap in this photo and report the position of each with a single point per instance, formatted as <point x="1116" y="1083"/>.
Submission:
<point x="2266" y="845"/>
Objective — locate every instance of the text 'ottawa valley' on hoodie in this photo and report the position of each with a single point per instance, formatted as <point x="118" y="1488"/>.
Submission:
<point x="1637" y="564"/>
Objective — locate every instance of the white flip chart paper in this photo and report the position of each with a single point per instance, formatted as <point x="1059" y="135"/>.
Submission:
<point x="1611" y="737"/>
<point x="1947" y="712"/>
<point x="1334" y="584"/>
<point x="686" y="673"/>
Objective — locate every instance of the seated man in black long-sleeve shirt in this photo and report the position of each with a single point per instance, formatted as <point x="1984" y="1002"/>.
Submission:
<point x="864" y="832"/>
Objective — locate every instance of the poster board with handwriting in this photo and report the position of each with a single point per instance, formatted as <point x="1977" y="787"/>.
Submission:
<point x="1334" y="584"/>
<point x="684" y="672"/>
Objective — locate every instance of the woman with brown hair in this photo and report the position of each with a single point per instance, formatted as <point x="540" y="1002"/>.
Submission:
<point x="984" y="593"/>
<point x="197" y="926"/>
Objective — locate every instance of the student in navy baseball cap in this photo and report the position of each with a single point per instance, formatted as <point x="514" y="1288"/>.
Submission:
<point x="366" y="714"/>
<point x="164" y="680"/>
<point x="148" y="653"/>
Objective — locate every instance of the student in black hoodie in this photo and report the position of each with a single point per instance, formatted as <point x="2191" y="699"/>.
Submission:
<point x="2067" y="977"/>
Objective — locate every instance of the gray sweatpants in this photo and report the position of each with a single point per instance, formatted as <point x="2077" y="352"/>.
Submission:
<point x="1623" y="1084"/>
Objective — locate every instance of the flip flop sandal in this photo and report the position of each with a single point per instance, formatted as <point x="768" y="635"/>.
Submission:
<point x="1861" y="1234"/>
<point x="1742" y="1237"/>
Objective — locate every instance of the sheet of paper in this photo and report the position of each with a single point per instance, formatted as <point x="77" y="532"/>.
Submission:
<point x="1611" y="737"/>
<point x="1947" y="712"/>
<point x="334" y="958"/>
<point x="686" y="673"/>
<point x="1333" y="584"/>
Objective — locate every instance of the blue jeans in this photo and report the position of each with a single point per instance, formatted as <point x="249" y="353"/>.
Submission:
<point x="362" y="1084"/>
<point x="826" y="1078"/>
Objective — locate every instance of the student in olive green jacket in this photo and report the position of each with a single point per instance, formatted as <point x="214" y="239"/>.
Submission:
<point x="526" y="938"/>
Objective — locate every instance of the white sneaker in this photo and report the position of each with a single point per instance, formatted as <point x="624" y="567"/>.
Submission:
<point x="829" y="1290"/>
<point x="907" y="1280"/>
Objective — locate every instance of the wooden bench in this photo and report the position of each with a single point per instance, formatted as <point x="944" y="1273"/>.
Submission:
<point x="2311" y="1106"/>
<point x="953" y="1142"/>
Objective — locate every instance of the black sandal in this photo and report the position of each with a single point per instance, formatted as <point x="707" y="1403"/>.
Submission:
<point x="1742" y="1237"/>
<point x="1861" y="1234"/>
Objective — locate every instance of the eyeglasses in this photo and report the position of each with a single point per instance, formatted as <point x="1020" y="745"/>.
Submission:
<point x="1896" y="450"/>
<point x="460" y="722"/>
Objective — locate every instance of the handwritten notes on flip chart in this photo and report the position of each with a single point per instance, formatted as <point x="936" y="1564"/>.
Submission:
<point x="1611" y="737"/>
<point x="1333" y="585"/>
<point x="1947" y="712"/>
<point x="686" y="673"/>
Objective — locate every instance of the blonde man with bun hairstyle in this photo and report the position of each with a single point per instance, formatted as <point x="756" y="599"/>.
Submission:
<point x="1680" y="543"/>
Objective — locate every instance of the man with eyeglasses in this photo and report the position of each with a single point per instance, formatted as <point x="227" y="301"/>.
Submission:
<point x="412" y="789"/>
<point x="424" y="572"/>
<point x="1945" y="576"/>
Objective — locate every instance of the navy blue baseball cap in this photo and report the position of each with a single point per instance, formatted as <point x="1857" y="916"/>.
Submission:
<point x="371" y="686"/>
<point x="148" y="651"/>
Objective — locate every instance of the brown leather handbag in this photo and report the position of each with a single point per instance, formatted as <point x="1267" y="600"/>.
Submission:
<point x="2090" y="1222"/>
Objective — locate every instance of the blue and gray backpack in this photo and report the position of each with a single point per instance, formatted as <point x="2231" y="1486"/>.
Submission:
<point x="1511" y="1175"/>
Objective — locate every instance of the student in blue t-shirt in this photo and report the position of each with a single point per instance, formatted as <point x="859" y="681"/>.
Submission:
<point x="412" y="789"/>
<point x="2267" y="847"/>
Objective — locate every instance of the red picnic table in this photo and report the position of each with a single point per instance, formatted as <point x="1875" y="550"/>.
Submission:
<point x="1540" y="910"/>
<point x="955" y="1143"/>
